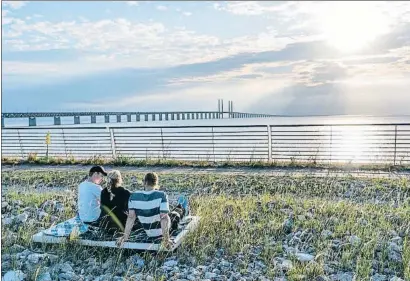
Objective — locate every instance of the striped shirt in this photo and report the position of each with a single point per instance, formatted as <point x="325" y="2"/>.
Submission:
<point x="148" y="205"/>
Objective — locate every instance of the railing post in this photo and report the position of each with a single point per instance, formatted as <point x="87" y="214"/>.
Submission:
<point x="395" y="145"/>
<point x="162" y="143"/>
<point x="21" y="145"/>
<point x="65" y="144"/>
<point x="269" y="143"/>
<point x="331" y="144"/>
<point x="213" y="143"/>
<point x="114" y="153"/>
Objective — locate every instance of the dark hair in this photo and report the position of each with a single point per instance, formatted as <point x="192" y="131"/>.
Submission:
<point x="97" y="169"/>
<point x="151" y="179"/>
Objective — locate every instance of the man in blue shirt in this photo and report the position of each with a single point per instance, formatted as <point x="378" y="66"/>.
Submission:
<point x="89" y="193"/>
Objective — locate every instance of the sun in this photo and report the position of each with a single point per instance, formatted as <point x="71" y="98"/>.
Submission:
<point x="351" y="26"/>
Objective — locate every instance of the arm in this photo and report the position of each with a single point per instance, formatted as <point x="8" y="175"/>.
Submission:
<point x="128" y="227"/>
<point x="165" y="222"/>
<point x="130" y="223"/>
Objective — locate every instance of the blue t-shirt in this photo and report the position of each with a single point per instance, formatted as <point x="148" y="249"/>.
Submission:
<point x="89" y="201"/>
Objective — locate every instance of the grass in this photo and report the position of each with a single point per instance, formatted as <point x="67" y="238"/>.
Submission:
<point x="252" y="163"/>
<point x="243" y="213"/>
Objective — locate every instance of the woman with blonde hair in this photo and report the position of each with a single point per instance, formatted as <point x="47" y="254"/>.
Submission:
<point x="114" y="203"/>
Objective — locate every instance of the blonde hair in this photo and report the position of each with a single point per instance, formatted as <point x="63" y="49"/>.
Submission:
<point x="115" y="179"/>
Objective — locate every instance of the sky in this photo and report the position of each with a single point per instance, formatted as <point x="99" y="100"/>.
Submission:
<point x="288" y="58"/>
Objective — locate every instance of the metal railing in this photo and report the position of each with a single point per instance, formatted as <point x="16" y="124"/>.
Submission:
<point x="336" y="143"/>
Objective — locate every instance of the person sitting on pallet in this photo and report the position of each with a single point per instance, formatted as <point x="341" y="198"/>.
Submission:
<point x="89" y="193"/>
<point x="152" y="209"/>
<point x="114" y="204"/>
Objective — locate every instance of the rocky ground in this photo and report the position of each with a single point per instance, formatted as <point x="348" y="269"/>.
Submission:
<point x="252" y="228"/>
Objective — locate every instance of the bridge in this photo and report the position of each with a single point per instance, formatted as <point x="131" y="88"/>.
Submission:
<point x="134" y="116"/>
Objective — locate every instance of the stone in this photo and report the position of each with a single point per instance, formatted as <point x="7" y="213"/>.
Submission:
<point x="397" y="240"/>
<point x="286" y="265"/>
<point x="149" y="278"/>
<point x="34" y="258"/>
<point x="107" y="264"/>
<point x="16" y="249"/>
<point x="66" y="267"/>
<point x="52" y="258"/>
<point x="354" y="240"/>
<point x="7" y="221"/>
<point x="396" y="279"/>
<point x="287" y="226"/>
<point x="138" y="262"/>
<point x="44" y="277"/>
<point x="170" y="263"/>
<point x="346" y="276"/>
<point x="326" y="234"/>
<point x="42" y="215"/>
<point x="59" y="207"/>
<point x="13" y="276"/>
<point x="302" y="257"/>
<point x="22" y="217"/>
<point x="5" y="265"/>
<point x="210" y="275"/>
<point x="378" y="277"/>
<point x="67" y="276"/>
<point x="394" y="253"/>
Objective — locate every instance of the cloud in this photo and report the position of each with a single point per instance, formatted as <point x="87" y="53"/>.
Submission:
<point x="14" y="4"/>
<point x="161" y="8"/>
<point x="251" y="8"/>
<point x="187" y="14"/>
<point x="337" y="99"/>
<point x="134" y="43"/>
<point x="132" y="3"/>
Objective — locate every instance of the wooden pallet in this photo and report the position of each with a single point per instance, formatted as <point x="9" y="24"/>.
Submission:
<point x="177" y="240"/>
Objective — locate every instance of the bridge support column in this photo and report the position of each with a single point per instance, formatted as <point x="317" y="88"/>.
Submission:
<point x="128" y="117"/>
<point x="188" y="116"/>
<point x="160" y="117"/>
<point x="153" y="117"/>
<point x="77" y="120"/>
<point x="93" y="119"/>
<point x="172" y="116"/>
<point x="138" y="118"/>
<point x="166" y="116"/>
<point x="107" y="118"/>
<point x="202" y="115"/>
<point x="146" y="117"/>
<point x="2" y="122"/>
<point x="192" y="116"/>
<point x="118" y="118"/>
<point x="197" y="116"/>
<point x="57" y="120"/>
<point x="32" y="121"/>
<point x="178" y="116"/>
<point x="183" y="116"/>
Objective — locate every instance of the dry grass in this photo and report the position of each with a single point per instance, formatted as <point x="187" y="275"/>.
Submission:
<point x="242" y="213"/>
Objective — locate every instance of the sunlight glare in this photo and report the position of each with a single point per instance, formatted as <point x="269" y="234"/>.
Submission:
<point x="351" y="26"/>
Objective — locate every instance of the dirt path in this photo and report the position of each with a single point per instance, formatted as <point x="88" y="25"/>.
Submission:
<point x="320" y="172"/>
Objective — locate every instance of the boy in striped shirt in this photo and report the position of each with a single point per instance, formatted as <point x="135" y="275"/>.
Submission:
<point x="152" y="208"/>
